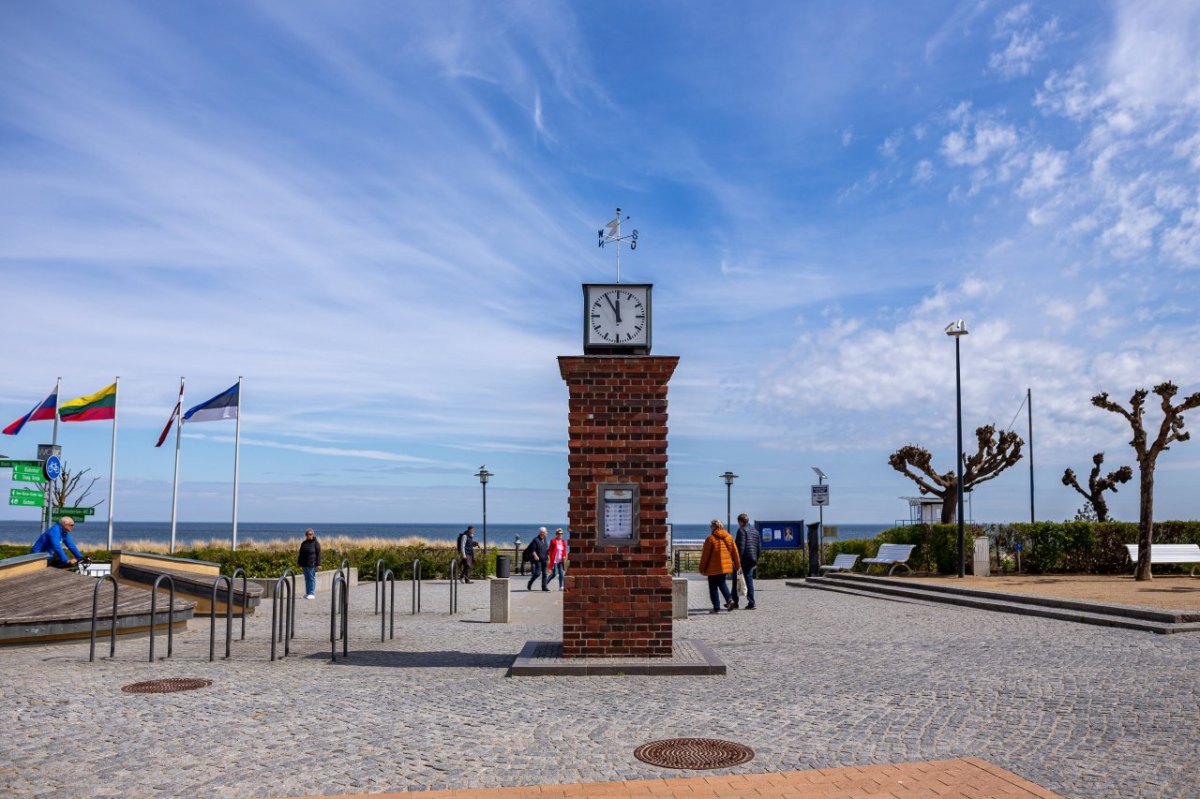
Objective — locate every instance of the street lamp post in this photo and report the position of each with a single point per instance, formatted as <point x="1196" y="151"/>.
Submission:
<point x="483" y="474"/>
<point x="729" y="478"/>
<point x="957" y="330"/>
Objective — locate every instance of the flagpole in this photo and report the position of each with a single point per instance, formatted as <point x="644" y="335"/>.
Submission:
<point x="48" y="510"/>
<point x="237" y="437"/>
<point x="175" y="484"/>
<point x="112" y="469"/>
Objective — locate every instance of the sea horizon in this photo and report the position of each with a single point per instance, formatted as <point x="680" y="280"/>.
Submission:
<point x="94" y="533"/>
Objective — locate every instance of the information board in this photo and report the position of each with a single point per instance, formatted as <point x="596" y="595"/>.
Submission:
<point x="781" y="535"/>
<point x="617" y="514"/>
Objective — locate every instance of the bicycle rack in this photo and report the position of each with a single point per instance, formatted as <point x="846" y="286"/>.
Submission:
<point x="340" y="587"/>
<point x="453" y="586"/>
<point x="283" y="603"/>
<point x="212" y="617"/>
<point x="388" y="577"/>
<point x="245" y="596"/>
<point x="112" y="634"/>
<point x="416" y="587"/>
<point x="170" y="614"/>
<point x="379" y="570"/>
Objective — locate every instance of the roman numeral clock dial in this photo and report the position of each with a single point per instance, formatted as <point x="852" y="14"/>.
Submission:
<point x="616" y="319"/>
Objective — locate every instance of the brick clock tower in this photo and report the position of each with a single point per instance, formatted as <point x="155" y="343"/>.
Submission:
<point x="618" y="593"/>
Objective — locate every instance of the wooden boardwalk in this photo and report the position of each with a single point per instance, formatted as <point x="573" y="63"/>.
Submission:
<point x="54" y="604"/>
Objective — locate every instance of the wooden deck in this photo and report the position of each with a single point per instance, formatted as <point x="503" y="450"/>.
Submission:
<point x="194" y="587"/>
<point x="54" y="604"/>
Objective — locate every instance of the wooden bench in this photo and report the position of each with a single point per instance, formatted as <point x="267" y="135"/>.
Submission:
<point x="895" y="554"/>
<point x="1169" y="553"/>
<point x="843" y="562"/>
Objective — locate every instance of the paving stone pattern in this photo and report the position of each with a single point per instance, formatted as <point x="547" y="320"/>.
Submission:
<point x="816" y="680"/>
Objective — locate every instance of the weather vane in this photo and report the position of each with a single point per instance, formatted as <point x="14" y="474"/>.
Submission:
<point x="612" y="233"/>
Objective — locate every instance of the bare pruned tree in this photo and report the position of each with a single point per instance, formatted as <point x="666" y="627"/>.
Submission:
<point x="68" y="490"/>
<point x="1097" y="485"/>
<point x="994" y="455"/>
<point x="1169" y="431"/>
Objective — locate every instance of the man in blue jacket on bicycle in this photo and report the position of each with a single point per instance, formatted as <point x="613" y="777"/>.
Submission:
<point x="52" y="541"/>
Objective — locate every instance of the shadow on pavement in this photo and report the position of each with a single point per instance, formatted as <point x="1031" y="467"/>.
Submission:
<point x="450" y="659"/>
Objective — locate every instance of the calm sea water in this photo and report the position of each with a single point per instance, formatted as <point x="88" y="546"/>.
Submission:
<point x="95" y="533"/>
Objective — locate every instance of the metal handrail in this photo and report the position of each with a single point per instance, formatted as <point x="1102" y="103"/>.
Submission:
<point x="212" y="617"/>
<point x="112" y="633"/>
<point x="281" y="628"/>
<point x="245" y="596"/>
<point x="290" y="573"/>
<point x="340" y="587"/>
<point x="379" y="569"/>
<point x="453" y="586"/>
<point x="388" y="576"/>
<point x="170" y="614"/>
<point x="416" y="586"/>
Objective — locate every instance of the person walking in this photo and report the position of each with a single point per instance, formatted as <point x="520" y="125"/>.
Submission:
<point x="538" y="552"/>
<point x="749" y="548"/>
<point x="557" y="558"/>
<point x="309" y="560"/>
<point x="466" y="554"/>
<point x="718" y="557"/>
<point x="52" y="540"/>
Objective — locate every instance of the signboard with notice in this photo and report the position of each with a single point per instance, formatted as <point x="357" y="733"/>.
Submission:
<point x="781" y="535"/>
<point x="617" y="514"/>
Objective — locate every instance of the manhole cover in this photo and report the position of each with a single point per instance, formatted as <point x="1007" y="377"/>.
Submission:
<point x="169" y="685"/>
<point x="693" y="753"/>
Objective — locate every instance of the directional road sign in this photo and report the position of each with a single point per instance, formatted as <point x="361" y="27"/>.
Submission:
<point x="75" y="512"/>
<point x="26" y="497"/>
<point x="25" y="473"/>
<point x="8" y="463"/>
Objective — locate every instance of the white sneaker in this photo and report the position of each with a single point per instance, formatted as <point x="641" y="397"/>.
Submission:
<point x="311" y="596"/>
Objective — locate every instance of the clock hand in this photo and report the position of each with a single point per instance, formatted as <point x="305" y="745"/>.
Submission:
<point x="615" y="308"/>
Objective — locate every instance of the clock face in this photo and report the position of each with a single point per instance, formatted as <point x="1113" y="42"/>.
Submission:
<point x="617" y="317"/>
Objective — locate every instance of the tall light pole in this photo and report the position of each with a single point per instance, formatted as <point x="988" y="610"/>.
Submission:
<point x="483" y="474"/>
<point x="957" y="330"/>
<point x="729" y="478"/>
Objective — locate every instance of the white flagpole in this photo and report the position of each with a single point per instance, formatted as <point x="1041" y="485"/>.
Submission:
<point x="175" y="485"/>
<point x="112" y="469"/>
<point x="237" y="437"/>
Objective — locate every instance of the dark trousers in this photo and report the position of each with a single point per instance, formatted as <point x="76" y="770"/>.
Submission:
<point x="537" y="569"/>
<point x="466" y="568"/>
<point x="749" y="573"/>
<point x="717" y="582"/>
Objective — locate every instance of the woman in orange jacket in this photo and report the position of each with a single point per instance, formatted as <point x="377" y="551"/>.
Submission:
<point x="718" y="558"/>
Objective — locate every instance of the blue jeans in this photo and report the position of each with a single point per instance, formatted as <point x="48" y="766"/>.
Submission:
<point x="536" y="570"/>
<point x="310" y="579"/>
<point x="558" y="570"/>
<point x="715" y="582"/>
<point x="749" y="574"/>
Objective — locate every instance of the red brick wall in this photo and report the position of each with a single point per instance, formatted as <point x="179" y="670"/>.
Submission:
<point x="618" y="598"/>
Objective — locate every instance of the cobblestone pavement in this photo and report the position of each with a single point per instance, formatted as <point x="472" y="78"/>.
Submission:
<point x="816" y="680"/>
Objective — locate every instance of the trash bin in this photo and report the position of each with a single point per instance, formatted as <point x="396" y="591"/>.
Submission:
<point x="814" y="550"/>
<point x="502" y="565"/>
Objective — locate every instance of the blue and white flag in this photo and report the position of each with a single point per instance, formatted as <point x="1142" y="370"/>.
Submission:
<point x="222" y="406"/>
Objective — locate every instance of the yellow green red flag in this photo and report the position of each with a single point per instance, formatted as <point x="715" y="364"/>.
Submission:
<point x="93" y="407"/>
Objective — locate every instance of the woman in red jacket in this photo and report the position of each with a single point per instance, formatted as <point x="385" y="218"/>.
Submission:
<point x="556" y="557"/>
<point x="718" y="558"/>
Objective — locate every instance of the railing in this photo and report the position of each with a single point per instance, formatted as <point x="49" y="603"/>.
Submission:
<point x="212" y="617"/>
<point x="283" y="607"/>
<point x="245" y="596"/>
<point x="379" y="570"/>
<point x="170" y="614"/>
<point x="388" y="577"/>
<point x="453" y="586"/>
<point x="416" y="586"/>
<point x="341" y="588"/>
<point x="112" y="633"/>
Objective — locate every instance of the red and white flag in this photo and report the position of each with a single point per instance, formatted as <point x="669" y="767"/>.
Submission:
<point x="175" y="413"/>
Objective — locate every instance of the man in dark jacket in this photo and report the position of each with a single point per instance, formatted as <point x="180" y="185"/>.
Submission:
<point x="749" y="547"/>
<point x="310" y="560"/>
<point x="538" y="553"/>
<point x="466" y="554"/>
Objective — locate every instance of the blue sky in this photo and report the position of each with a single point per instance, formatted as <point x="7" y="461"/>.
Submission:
<point x="381" y="214"/>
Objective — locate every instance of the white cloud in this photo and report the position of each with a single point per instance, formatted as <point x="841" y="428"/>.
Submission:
<point x="923" y="171"/>
<point x="1027" y="41"/>
<point x="1046" y="171"/>
<point x="1155" y="57"/>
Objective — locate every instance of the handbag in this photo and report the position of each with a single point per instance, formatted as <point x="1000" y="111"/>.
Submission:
<point x="741" y="582"/>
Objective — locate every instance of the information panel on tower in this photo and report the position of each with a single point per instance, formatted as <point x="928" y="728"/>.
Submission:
<point x="617" y="514"/>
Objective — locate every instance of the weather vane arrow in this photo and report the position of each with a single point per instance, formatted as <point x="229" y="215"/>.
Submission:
<point x="611" y="233"/>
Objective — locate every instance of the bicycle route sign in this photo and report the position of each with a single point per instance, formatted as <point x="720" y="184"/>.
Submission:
<point x="26" y="498"/>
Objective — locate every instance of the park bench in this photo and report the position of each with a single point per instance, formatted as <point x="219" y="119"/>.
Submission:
<point x="843" y="562"/>
<point x="895" y="554"/>
<point x="1169" y="553"/>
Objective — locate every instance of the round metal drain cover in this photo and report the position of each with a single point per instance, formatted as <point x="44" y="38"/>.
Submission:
<point x="167" y="686"/>
<point x="693" y="753"/>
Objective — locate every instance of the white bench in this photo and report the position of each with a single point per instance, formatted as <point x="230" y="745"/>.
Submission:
<point x="895" y="554"/>
<point x="1169" y="553"/>
<point x="843" y="562"/>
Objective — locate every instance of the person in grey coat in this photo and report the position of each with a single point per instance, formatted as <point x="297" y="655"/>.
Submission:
<point x="749" y="547"/>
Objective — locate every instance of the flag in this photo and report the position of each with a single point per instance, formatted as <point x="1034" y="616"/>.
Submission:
<point x="92" y="408"/>
<point x="171" y="420"/>
<point x="43" y="411"/>
<point x="222" y="406"/>
<point x="611" y="227"/>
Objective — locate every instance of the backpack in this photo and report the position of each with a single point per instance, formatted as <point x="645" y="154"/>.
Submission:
<point x="527" y="555"/>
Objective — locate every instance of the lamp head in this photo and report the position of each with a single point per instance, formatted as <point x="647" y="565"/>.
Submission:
<point x="956" y="328"/>
<point x="820" y="473"/>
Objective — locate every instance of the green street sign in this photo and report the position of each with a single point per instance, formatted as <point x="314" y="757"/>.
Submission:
<point x="28" y="474"/>
<point x="8" y="463"/>
<point x="27" y="492"/>
<point x="75" y="513"/>
<point x="36" y="501"/>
